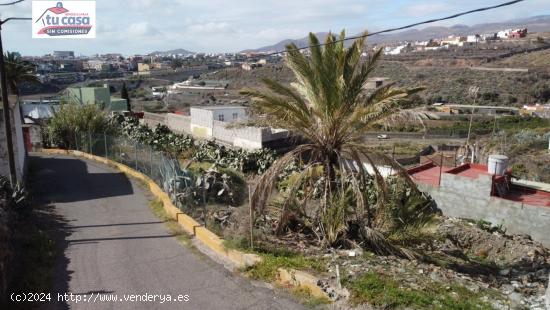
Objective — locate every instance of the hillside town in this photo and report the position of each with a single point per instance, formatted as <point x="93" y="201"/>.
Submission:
<point x="401" y="169"/>
<point x="455" y="40"/>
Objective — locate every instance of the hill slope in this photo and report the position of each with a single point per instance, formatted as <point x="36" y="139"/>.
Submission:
<point x="533" y="24"/>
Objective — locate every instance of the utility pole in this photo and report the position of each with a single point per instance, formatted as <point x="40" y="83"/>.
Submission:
<point x="6" y="106"/>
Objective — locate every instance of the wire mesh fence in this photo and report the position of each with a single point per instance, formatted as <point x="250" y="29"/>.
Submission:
<point x="164" y="170"/>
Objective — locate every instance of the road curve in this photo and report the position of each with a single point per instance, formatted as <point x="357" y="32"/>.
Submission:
<point x="111" y="244"/>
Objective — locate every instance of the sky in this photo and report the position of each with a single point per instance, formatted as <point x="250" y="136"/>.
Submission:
<point x="142" y="26"/>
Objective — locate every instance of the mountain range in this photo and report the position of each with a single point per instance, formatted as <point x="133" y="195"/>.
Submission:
<point x="172" y="52"/>
<point x="533" y="24"/>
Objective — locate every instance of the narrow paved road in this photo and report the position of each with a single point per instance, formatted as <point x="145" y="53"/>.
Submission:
<point x="112" y="244"/>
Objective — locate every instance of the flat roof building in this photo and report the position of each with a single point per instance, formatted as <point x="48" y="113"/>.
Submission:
<point x="476" y="192"/>
<point x="95" y="95"/>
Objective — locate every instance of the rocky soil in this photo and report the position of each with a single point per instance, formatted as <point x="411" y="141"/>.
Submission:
<point x="511" y="272"/>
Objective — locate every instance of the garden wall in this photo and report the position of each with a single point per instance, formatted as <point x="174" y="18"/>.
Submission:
<point x="202" y="125"/>
<point x="153" y="119"/>
<point x="178" y="123"/>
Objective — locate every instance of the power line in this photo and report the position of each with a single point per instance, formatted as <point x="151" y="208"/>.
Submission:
<point x="407" y="26"/>
<point x="12" y="3"/>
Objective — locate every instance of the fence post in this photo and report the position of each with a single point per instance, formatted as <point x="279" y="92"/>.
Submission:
<point x="174" y="186"/>
<point x="105" y="143"/>
<point x="251" y="217"/>
<point x="90" y="141"/>
<point x="151" y="162"/>
<point x="75" y="141"/>
<point x="135" y="155"/>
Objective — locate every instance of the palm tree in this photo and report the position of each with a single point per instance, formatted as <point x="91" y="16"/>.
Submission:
<point x="328" y="108"/>
<point x="18" y="71"/>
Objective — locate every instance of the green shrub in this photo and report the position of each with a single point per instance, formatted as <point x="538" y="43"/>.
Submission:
<point x="73" y="119"/>
<point x="381" y="291"/>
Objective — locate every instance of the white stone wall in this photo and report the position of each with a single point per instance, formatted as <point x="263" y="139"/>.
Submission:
<point x="203" y="124"/>
<point x="18" y="143"/>
<point x="153" y="119"/>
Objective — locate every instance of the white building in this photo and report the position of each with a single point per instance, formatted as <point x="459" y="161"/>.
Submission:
<point x="212" y="123"/>
<point x="473" y="39"/>
<point x="394" y="50"/>
<point x="503" y="34"/>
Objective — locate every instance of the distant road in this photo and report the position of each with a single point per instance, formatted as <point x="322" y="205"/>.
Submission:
<point x="111" y="243"/>
<point x="524" y="70"/>
<point x="413" y="136"/>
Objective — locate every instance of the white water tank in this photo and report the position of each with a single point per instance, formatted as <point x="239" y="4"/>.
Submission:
<point x="498" y="164"/>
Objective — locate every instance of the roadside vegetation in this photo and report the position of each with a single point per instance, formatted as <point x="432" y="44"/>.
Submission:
<point x="73" y="120"/>
<point x="27" y="245"/>
<point x="381" y="290"/>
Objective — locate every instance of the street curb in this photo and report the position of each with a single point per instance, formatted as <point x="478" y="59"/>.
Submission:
<point x="214" y="243"/>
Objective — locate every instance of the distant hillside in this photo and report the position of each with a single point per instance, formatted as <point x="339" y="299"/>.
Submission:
<point x="172" y="52"/>
<point x="303" y="42"/>
<point x="533" y="24"/>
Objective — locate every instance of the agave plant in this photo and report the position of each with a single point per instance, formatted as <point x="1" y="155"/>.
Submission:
<point x="329" y="109"/>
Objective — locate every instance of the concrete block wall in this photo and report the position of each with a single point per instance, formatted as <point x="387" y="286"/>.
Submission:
<point x="178" y="123"/>
<point x="245" y="137"/>
<point x="153" y="119"/>
<point x="516" y="217"/>
<point x="479" y="187"/>
<point x="223" y="134"/>
<point x="270" y="134"/>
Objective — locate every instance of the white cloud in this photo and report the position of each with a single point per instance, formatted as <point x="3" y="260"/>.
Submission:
<point x="210" y="28"/>
<point x="140" y="29"/>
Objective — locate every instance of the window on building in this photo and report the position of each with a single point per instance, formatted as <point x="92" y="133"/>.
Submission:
<point x="221" y="118"/>
<point x="235" y="115"/>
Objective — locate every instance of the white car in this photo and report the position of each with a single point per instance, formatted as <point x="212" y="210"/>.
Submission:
<point x="382" y="137"/>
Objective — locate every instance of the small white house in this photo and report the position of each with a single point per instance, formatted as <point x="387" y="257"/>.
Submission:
<point x="203" y="118"/>
<point x="212" y="123"/>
